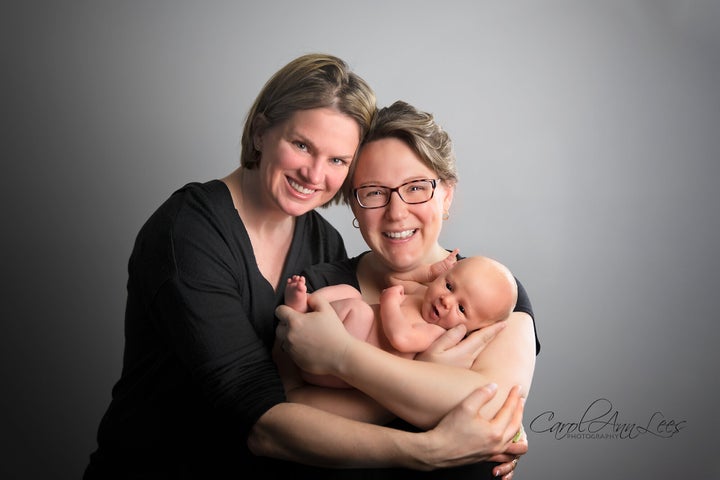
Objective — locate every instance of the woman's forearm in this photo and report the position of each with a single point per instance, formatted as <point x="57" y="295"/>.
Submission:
<point x="306" y="435"/>
<point x="310" y="436"/>
<point x="419" y="392"/>
<point x="423" y="392"/>
<point x="347" y="402"/>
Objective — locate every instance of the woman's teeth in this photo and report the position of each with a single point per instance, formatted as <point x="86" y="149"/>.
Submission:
<point x="403" y="234"/>
<point x="300" y="188"/>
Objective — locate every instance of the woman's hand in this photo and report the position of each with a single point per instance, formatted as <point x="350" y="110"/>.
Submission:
<point x="316" y="341"/>
<point x="463" y="436"/>
<point x="508" y="461"/>
<point x="455" y="350"/>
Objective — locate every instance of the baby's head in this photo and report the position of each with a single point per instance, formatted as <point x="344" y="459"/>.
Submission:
<point x="476" y="291"/>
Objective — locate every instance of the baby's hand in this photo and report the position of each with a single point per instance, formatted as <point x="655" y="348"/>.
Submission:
<point x="396" y="292"/>
<point x="438" y="268"/>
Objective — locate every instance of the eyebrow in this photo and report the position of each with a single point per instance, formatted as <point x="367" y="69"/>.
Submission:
<point x="376" y="183"/>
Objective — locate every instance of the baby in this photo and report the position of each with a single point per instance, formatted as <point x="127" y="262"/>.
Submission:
<point x="475" y="291"/>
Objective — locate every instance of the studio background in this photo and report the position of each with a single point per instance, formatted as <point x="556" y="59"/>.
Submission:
<point x="588" y="143"/>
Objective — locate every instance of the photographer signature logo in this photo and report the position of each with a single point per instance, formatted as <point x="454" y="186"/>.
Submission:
<point x="602" y="421"/>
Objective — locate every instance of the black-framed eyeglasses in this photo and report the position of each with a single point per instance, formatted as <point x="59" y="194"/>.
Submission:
<point x="414" y="192"/>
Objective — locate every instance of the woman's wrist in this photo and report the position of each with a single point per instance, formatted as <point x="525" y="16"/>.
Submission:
<point x="414" y="450"/>
<point x="352" y="352"/>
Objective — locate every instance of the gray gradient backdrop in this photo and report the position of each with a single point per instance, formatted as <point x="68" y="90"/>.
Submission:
<point x="589" y="150"/>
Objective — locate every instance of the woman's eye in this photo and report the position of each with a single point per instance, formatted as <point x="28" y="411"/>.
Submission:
<point x="337" y="161"/>
<point x="301" y="145"/>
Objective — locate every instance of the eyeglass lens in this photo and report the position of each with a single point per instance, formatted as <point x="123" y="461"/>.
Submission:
<point x="417" y="191"/>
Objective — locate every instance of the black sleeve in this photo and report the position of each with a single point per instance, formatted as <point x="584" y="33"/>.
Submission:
<point x="523" y="305"/>
<point x="332" y="273"/>
<point x="204" y="312"/>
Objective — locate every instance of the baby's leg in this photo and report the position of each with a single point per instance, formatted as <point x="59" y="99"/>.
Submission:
<point x="296" y="293"/>
<point x="358" y="318"/>
<point x="341" y="291"/>
<point x="361" y="320"/>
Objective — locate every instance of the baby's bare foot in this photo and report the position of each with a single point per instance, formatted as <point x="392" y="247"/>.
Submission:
<point x="296" y="293"/>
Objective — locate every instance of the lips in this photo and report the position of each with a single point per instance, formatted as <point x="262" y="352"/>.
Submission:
<point x="431" y="313"/>
<point x="299" y="188"/>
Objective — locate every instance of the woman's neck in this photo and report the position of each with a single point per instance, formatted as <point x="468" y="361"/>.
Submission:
<point x="373" y="273"/>
<point x="270" y="230"/>
<point x="250" y="202"/>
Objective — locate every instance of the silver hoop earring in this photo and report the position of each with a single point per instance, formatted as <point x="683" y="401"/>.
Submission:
<point x="355" y="222"/>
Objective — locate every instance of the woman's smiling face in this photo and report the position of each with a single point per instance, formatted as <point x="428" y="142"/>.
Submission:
<point x="402" y="236"/>
<point x="304" y="160"/>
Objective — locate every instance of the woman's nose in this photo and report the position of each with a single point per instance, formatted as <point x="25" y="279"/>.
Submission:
<point x="313" y="172"/>
<point x="396" y="207"/>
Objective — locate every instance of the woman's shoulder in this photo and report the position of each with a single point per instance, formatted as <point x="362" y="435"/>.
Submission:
<point x="213" y="194"/>
<point x="210" y="195"/>
<point x="191" y="209"/>
<point x="524" y="305"/>
<point x="207" y="200"/>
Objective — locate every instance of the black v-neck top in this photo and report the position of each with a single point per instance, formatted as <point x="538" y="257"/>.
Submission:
<point x="199" y="328"/>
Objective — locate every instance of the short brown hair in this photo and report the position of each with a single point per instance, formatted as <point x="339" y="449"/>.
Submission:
<point x="420" y="132"/>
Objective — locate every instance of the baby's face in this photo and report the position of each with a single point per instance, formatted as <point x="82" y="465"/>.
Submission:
<point x="453" y="298"/>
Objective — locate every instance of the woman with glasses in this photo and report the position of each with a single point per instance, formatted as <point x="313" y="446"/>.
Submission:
<point x="400" y="190"/>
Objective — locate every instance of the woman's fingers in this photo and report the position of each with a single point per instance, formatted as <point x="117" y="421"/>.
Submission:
<point x="479" y="339"/>
<point x="449" y="339"/>
<point x="445" y="350"/>
<point x="316" y="339"/>
<point x="453" y="348"/>
<point x="510" y="414"/>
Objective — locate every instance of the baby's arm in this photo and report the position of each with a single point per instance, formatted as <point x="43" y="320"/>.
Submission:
<point x="405" y="328"/>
